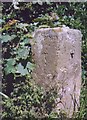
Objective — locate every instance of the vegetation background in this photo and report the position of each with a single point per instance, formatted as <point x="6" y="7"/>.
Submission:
<point x="22" y="98"/>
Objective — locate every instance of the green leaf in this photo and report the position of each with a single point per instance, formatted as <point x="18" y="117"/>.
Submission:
<point x="10" y="66"/>
<point x="6" y="38"/>
<point x="25" y="41"/>
<point x="23" y="53"/>
<point x="21" y="70"/>
<point x="9" y="69"/>
<point x="30" y="66"/>
<point x="11" y="61"/>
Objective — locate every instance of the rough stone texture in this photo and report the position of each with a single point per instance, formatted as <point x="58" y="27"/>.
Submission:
<point x="57" y="54"/>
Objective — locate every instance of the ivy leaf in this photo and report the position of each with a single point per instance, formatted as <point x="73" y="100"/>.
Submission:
<point x="24" y="42"/>
<point x="9" y="69"/>
<point x="21" y="70"/>
<point x="11" y="61"/>
<point x="30" y="66"/>
<point x="6" y="38"/>
<point x="10" y="66"/>
<point x="23" y="53"/>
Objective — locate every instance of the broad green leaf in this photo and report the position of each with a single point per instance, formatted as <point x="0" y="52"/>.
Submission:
<point x="30" y="66"/>
<point x="23" y="53"/>
<point x="10" y="66"/>
<point x="9" y="69"/>
<point x="21" y="70"/>
<point x="6" y="38"/>
<point x="25" y="41"/>
<point x="11" y="61"/>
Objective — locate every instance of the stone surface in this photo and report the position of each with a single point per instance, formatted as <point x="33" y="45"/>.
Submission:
<point x="57" y="54"/>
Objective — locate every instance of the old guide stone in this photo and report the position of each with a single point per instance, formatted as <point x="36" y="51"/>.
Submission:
<point x="57" y="54"/>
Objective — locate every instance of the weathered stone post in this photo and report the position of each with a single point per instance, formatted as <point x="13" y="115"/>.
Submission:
<point x="57" y="54"/>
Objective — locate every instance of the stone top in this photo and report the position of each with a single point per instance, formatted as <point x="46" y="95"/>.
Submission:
<point x="58" y="29"/>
